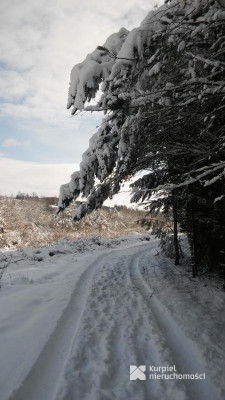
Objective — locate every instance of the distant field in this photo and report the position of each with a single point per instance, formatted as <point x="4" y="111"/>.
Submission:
<point x="33" y="223"/>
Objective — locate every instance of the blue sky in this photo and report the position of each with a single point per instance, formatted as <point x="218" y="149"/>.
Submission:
<point x="40" y="41"/>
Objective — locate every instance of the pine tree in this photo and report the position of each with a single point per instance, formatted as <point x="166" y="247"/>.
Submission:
<point x="163" y="98"/>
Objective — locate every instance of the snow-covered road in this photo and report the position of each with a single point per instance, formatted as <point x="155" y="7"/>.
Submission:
<point x="72" y="329"/>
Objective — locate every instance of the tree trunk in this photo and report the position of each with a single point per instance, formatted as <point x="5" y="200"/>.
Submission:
<point x="175" y="232"/>
<point x="193" y="239"/>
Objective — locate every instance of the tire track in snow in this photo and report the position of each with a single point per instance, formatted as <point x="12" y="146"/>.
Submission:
<point x="121" y="329"/>
<point x="45" y="377"/>
<point x="115" y="333"/>
<point x="99" y="364"/>
<point x="182" y="349"/>
<point x="150" y="342"/>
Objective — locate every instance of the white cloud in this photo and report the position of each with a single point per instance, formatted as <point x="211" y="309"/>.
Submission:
<point x="28" y="177"/>
<point x="13" y="85"/>
<point x="45" y="40"/>
<point x="40" y="42"/>
<point x="11" y="142"/>
<point x="43" y="179"/>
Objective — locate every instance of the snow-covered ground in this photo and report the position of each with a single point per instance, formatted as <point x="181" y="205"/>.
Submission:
<point x="75" y="316"/>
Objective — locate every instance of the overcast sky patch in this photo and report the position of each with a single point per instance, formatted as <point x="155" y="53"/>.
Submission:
<point x="40" y="42"/>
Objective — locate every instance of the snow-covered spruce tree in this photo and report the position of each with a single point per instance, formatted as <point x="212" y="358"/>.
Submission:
<point x="186" y="135"/>
<point x="163" y="98"/>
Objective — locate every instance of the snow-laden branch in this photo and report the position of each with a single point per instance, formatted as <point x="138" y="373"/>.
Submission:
<point x="163" y="88"/>
<point x="198" y="178"/>
<point x="86" y="76"/>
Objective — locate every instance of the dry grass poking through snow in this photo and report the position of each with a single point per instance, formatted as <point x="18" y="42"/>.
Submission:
<point x="33" y="223"/>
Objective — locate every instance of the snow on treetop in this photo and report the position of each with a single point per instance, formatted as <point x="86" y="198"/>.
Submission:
<point x="135" y="71"/>
<point x="86" y="76"/>
<point x="125" y="47"/>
